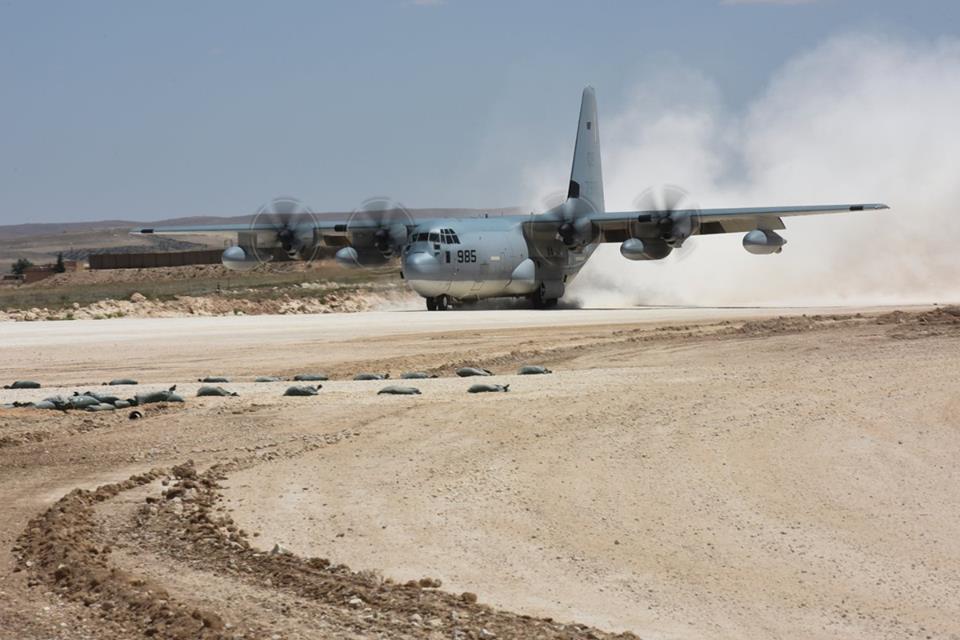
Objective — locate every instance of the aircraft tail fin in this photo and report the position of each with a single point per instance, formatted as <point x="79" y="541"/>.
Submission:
<point x="586" y="177"/>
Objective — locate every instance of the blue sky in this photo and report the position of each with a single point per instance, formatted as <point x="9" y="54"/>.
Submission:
<point x="142" y="110"/>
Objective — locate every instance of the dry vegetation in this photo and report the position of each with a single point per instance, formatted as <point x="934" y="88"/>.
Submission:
<point x="202" y="290"/>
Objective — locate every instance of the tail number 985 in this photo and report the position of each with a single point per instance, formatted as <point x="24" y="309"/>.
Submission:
<point x="466" y="255"/>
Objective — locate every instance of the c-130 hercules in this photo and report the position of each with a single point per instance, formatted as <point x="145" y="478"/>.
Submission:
<point x="452" y="261"/>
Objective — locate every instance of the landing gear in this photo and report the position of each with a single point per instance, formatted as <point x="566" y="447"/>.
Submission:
<point x="438" y="303"/>
<point x="540" y="301"/>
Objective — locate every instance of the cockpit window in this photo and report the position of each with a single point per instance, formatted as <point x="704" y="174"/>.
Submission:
<point x="445" y="236"/>
<point x="449" y="237"/>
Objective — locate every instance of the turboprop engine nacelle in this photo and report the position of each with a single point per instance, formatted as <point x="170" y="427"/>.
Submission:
<point x="763" y="242"/>
<point x="650" y="249"/>
<point x="236" y="258"/>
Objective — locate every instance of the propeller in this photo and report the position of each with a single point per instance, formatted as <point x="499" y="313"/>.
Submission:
<point x="675" y="215"/>
<point x="381" y="225"/>
<point x="290" y="222"/>
<point x="576" y="230"/>
<point x="552" y="200"/>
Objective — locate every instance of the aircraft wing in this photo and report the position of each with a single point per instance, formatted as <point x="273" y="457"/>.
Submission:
<point x="328" y="231"/>
<point x="331" y="226"/>
<point x="229" y="231"/>
<point x="618" y="226"/>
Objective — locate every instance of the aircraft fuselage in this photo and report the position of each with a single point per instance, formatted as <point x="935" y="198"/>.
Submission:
<point x="471" y="259"/>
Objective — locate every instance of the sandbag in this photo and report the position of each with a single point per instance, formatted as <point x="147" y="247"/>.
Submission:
<point x="311" y="377"/>
<point x="58" y="402"/>
<point x="101" y="407"/>
<point x="533" y="370"/>
<point x="371" y="376"/>
<point x="417" y="375"/>
<point x="102" y="397"/>
<point x="214" y="379"/>
<point x="488" y="388"/>
<point x="214" y="391"/>
<point x="304" y="390"/>
<point x="44" y="404"/>
<point x="122" y="404"/>
<point x="466" y="372"/>
<point x="398" y="390"/>
<point x="166" y="395"/>
<point x="23" y="384"/>
<point x="122" y="381"/>
<point x="267" y="379"/>
<point x="82" y="402"/>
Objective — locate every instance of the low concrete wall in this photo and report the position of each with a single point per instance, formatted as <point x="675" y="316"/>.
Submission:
<point x="151" y="260"/>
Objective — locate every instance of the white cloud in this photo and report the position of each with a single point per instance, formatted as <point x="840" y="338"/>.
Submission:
<point x="859" y="119"/>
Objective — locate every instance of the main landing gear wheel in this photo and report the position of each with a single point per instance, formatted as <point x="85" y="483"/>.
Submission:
<point x="439" y="303"/>
<point x="540" y="302"/>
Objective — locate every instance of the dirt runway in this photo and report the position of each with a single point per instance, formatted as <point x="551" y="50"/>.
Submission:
<point x="683" y="473"/>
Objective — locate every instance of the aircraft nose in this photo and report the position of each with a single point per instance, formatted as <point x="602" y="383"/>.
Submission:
<point x="420" y="266"/>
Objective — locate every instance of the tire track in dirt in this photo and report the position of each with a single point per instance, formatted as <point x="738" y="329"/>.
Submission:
<point x="67" y="549"/>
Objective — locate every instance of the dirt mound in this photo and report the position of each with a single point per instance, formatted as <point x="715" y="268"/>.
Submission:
<point x="937" y="322"/>
<point x="62" y="548"/>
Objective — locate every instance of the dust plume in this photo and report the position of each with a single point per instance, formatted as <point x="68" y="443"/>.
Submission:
<point x="862" y="118"/>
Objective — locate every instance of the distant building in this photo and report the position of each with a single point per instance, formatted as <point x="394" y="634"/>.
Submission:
<point x="42" y="271"/>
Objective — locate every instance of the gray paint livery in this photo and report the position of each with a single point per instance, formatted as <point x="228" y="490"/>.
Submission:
<point x="458" y="260"/>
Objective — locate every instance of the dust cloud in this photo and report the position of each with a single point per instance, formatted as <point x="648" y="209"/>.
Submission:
<point x="862" y="118"/>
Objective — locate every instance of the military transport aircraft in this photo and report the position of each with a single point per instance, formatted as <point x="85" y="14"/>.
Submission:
<point x="451" y="261"/>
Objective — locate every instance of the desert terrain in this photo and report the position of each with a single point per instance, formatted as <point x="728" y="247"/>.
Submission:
<point x="205" y="290"/>
<point x="682" y="473"/>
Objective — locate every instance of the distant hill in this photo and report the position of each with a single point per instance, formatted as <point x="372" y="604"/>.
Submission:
<point x="19" y="231"/>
